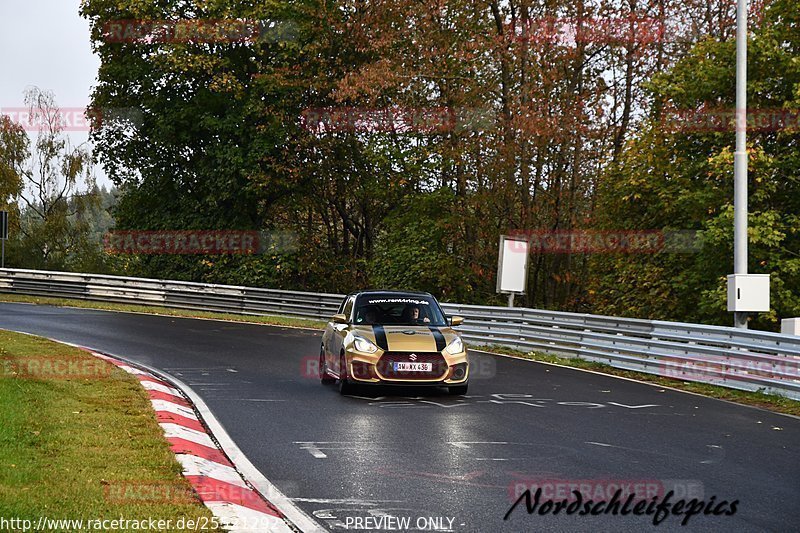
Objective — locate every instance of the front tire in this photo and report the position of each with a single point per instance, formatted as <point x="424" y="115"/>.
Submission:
<point x="324" y="376"/>
<point x="458" y="390"/>
<point x="345" y="386"/>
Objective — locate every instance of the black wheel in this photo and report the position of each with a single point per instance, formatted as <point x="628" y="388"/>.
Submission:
<point x="345" y="387"/>
<point x="458" y="390"/>
<point x="324" y="375"/>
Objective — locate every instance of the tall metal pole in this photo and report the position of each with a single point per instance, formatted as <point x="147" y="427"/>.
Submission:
<point x="3" y="237"/>
<point x="740" y="155"/>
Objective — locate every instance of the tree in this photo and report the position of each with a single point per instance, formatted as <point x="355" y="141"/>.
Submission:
<point x="505" y="116"/>
<point x="56" y="193"/>
<point x="13" y="153"/>
<point x="678" y="173"/>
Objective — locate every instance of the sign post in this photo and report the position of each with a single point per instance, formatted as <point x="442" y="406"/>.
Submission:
<point x="512" y="266"/>
<point x="756" y="287"/>
<point x="3" y="237"/>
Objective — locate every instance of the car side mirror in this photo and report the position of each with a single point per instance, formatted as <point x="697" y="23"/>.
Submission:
<point x="456" y="320"/>
<point x="339" y="318"/>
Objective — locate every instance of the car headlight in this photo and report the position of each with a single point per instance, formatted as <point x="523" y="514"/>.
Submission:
<point x="455" y="346"/>
<point x="364" y="345"/>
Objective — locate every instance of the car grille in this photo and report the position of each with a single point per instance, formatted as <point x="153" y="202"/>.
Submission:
<point x="386" y="369"/>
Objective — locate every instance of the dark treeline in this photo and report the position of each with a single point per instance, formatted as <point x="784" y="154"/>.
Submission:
<point x="507" y="117"/>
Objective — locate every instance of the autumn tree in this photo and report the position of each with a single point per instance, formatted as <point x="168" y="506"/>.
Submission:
<point x="51" y="190"/>
<point x="677" y="173"/>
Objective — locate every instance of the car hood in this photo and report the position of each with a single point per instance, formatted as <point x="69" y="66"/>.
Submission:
<point x="408" y="338"/>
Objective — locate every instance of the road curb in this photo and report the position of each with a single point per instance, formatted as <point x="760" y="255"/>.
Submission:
<point x="227" y="483"/>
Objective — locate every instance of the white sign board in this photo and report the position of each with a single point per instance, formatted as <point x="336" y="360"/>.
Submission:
<point x="512" y="265"/>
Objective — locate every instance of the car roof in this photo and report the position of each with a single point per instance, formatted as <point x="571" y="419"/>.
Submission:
<point x="393" y="292"/>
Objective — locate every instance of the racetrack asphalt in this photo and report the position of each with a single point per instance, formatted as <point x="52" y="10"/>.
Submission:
<point x="442" y="460"/>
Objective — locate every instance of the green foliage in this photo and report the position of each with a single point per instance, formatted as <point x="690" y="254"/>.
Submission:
<point x="415" y="251"/>
<point x="218" y="141"/>
<point x="50" y="189"/>
<point x="13" y="153"/>
<point x="684" y="180"/>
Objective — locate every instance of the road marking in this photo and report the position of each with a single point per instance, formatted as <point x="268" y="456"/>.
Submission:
<point x="529" y="400"/>
<point x="588" y="405"/>
<point x="313" y="450"/>
<point x="398" y="405"/>
<point x="464" y="444"/>
<point x="444" y="404"/>
<point x="633" y="406"/>
<point x="503" y="402"/>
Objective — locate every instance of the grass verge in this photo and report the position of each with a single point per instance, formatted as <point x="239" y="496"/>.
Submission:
<point x="169" y="311"/>
<point x="771" y="402"/>
<point x="79" y="441"/>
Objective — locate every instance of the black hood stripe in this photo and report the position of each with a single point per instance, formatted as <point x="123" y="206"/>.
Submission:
<point x="440" y="340"/>
<point x="380" y="337"/>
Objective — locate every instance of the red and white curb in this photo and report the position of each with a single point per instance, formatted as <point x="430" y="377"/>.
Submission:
<point x="215" y="479"/>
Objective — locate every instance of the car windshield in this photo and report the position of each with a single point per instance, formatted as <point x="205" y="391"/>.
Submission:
<point x="391" y="309"/>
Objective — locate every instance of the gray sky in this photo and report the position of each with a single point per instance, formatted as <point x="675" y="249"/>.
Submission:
<point x="46" y="43"/>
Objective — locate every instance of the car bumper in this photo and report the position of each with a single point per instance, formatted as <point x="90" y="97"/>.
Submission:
<point x="407" y="384"/>
<point x="363" y="369"/>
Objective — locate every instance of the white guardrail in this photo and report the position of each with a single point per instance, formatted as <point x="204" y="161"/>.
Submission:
<point x="729" y="357"/>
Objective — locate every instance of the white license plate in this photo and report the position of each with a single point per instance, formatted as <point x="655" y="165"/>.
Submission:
<point x="413" y="367"/>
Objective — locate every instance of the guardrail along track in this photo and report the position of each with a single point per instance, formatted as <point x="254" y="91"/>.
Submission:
<point x="730" y="357"/>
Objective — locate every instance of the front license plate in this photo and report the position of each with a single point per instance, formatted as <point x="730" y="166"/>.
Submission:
<point x="413" y="367"/>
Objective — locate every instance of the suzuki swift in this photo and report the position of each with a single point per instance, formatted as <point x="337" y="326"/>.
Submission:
<point x="393" y="338"/>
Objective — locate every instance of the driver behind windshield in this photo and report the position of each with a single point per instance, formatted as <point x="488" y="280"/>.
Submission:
<point x="415" y="315"/>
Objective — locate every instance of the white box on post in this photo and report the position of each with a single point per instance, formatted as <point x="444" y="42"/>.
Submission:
<point x="790" y="326"/>
<point x="748" y="292"/>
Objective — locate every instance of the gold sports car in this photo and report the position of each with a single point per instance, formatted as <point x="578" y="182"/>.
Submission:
<point x="393" y="338"/>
